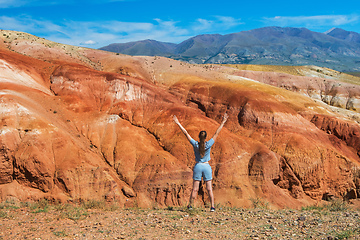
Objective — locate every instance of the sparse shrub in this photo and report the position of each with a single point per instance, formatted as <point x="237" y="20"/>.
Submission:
<point x="176" y="217"/>
<point x="347" y="234"/>
<point x="194" y="211"/>
<point x="60" y="234"/>
<point x="112" y="207"/>
<point x="9" y="204"/>
<point x="337" y="205"/>
<point x="333" y="206"/>
<point x="259" y="203"/>
<point x="222" y="207"/>
<point x="40" y="206"/>
<point x="72" y="212"/>
<point x="3" y="214"/>
<point x="312" y="208"/>
<point x="94" y="204"/>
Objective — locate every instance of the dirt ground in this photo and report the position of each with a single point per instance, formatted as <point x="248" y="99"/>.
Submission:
<point x="96" y="221"/>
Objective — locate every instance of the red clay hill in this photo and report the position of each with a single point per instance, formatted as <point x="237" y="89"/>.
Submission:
<point x="80" y="124"/>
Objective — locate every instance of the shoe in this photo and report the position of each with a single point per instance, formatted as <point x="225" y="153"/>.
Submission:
<point x="189" y="207"/>
<point x="212" y="209"/>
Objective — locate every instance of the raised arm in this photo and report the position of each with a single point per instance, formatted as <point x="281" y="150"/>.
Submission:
<point x="225" y="117"/>
<point x="176" y="120"/>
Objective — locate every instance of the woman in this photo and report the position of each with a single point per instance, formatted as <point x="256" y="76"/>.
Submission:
<point x="202" y="167"/>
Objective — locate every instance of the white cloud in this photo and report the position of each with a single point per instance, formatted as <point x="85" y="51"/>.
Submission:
<point x="101" y="33"/>
<point x="118" y="27"/>
<point x="229" y="22"/>
<point x="218" y="24"/>
<point x="167" y="30"/>
<point x="89" y="42"/>
<point x="312" y="21"/>
<point x="203" y="25"/>
<point x="27" y="24"/>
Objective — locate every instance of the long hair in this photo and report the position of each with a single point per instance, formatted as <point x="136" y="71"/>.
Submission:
<point x="202" y="137"/>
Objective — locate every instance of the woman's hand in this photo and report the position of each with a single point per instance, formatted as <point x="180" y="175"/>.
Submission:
<point x="176" y="120"/>
<point x="225" y="117"/>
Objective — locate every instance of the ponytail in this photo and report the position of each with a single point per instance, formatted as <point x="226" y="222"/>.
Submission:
<point x="202" y="137"/>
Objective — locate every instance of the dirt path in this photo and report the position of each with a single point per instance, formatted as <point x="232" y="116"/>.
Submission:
<point x="79" y="222"/>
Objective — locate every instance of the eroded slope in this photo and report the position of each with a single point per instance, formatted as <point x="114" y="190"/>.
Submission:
<point x="96" y="125"/>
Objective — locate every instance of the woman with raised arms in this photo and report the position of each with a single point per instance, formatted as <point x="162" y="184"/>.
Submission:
<point x="202" y="168"/>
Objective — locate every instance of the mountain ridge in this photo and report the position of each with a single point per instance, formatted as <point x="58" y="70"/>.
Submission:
<point x="336" y="49"/>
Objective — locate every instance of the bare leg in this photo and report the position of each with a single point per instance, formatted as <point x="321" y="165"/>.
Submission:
<point x="210" y="192"/>
<point x="194" y="192"/>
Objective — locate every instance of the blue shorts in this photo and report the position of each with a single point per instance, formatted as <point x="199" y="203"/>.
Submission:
<point x="202" y="170"/>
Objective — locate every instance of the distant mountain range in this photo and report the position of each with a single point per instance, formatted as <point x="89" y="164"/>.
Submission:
<point x="336" y="49"/>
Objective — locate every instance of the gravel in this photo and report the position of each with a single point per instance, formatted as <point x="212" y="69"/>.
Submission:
<point x="176" y="223"/>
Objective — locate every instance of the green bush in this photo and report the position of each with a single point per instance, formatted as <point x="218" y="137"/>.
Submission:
<point x="72" y="212"/>
<point x="3" y="214"/>
<point x="60" y="234"/>
<point x="40" y="206"/>
<point x="337" y="205"/>
<point x="313" y="208"/>
<point x="9" y="204"/>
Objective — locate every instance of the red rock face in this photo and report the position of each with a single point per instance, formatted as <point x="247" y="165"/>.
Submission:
<point x="71" y="132"/>
<point x="299" y="158"/>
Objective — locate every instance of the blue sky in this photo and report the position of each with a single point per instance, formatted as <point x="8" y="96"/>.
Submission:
<point x="97" y="23"/>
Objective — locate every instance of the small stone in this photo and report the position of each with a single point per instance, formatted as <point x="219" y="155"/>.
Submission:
<point x="272" y="227"/>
